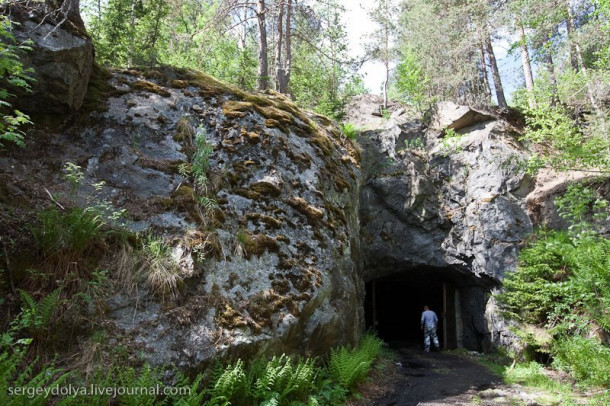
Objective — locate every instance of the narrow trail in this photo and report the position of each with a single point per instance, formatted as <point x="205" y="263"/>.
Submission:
<point x="438" y="379"/>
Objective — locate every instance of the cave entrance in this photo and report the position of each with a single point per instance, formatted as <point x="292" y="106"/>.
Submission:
<point x="393" y="305"/>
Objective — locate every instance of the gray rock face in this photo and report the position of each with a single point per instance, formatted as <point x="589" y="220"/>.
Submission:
<point x="62" y="64"/>
<point x="284" y="262"/>
<point x="274" y="268"/>
<point x="451" y="115"/>
<point x="458" y="207"/>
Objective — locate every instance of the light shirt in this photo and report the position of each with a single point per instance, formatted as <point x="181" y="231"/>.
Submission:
<point x="429" y="319"/>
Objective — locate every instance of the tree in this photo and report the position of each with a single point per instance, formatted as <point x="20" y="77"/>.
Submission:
<point x="263" y="70"/>
<point x="380" y="48"/>
<point x="495" y="71"/>
<point x="449" y="59"/>
<point x="12" y="75"/>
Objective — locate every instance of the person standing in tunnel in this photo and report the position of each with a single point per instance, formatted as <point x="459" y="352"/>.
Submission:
<point x="428" y="325"/>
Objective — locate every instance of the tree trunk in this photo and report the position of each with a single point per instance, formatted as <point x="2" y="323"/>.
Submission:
<point x="495" y="72"/>
<point x="287" y="63"/>
<point x="263" y="68"/>
<point x="527" y="67"/>
<point x="386" y="55"/>
<point x="67" y="10"/>
<point x="279" y="69"/>
<point x="569" y="30"/>
<point x="550" y="68"/>
<point x="132" y="24"/>
<point x="583" y="68"/>
<point x="484" y="75"/>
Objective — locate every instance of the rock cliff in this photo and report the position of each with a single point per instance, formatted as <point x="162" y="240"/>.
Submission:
<point x="451" y="202"/>
<point x="276" y="222"/>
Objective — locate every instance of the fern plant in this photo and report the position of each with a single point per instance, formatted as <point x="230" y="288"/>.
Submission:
<point x="73" y="230"/>
<point x="17" y="374"/>
<point x="281" y="380"/>
<point x="349" y="367"/>
<point x="230" y="384"/>
<point x="37" y="317"/>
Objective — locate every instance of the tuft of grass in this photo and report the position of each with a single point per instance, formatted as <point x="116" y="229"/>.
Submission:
<point x="162" y="271"/>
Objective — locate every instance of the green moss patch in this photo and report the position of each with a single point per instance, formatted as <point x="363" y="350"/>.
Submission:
<point x="166" y="166"/>
<point x="312" y="213"/>
<point x="266" y="188"/>
<point x="178" y="84"/>
<point x="150" y="87"/>
<point x="250" y="194"/>
<point x="256" y="244"/>
<point x="268" y="221"/>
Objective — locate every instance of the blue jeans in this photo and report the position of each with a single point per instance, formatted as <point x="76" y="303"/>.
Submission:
<point x="430" y="334"/>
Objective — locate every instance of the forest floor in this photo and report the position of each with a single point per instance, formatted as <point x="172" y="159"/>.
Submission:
<point x="408" y="376"/>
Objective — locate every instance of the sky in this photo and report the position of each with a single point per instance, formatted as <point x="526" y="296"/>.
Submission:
<point x="358" y="25"/>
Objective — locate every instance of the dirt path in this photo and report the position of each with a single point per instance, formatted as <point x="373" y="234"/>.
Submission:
<point x="439" y="379"/>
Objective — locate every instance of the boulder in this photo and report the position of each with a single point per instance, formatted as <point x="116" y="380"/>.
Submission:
<point x="61" y="62"/>
<point x="270" y="265"/>
<point x="451" y="115"/>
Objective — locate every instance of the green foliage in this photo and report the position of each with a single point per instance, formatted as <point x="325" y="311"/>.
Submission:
<point x="200" y="161"/>
<point x="410" y="83"/>
<point x="530" y="374"/>
<point x="531" y="293"/>
<point x="451" y="142"/>
<point x="583" y="208"/>
<point x="162" y="271"/>
<point x="68" y="230"/>
<point x="562" y="284"/>
<point x="282" y="380"/>
<point x="349" y="367"/>
<point x="584" y="358"/>
<point x="12" y="75"/>
<point x="565" y="142"/>
<point x="128" y="33"/>
<point x="16" y="373"/>
<point x="415" y="143"/>
<point x="230" y="384"/>
<point x="74" y="174"/>
<point x="287" y="381"/>
<point x="37" y="316"/>
<point x="350" y="131"/>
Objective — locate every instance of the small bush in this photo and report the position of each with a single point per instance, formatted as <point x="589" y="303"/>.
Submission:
<point x="350" y="131"/>
<point x="585" y="359"/>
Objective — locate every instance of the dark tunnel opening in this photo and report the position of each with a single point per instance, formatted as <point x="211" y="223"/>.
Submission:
<point x="394" y="303"/>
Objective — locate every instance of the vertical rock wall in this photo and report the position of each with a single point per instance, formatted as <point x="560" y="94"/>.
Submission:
<point x="455" y="202"/>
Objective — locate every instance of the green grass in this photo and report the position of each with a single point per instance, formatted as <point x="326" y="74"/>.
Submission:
<point x="540" y="381"/>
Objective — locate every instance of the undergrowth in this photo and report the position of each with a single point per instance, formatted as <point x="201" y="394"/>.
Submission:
<point x="281" y="380"/>
<point x="559" y="295"/>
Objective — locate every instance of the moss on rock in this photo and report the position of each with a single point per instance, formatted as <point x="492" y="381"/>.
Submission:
<point x="312" y="213"/>
<point x="150" y="87"/>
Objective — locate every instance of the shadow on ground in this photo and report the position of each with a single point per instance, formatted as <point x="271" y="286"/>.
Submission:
<point x="437" y="379"/>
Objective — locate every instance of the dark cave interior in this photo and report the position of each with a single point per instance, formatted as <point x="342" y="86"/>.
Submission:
<point x="394" y="303"/>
